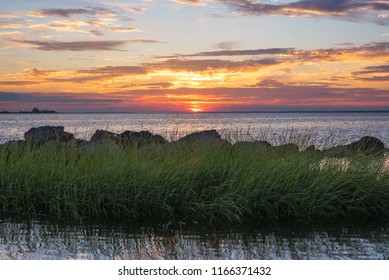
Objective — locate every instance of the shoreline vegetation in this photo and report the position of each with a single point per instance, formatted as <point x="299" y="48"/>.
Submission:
<point x="139" y="176"/>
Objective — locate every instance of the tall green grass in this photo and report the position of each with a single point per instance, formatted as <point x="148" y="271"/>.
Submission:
<point x="214" y="183"/>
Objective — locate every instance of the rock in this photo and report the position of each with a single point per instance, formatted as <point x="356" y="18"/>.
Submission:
<point x="287" y="148"/>
<point x="138" y="139"/>
<point x="104" y="134"/>
<point x="337" y="151"/>
<point x="200" y="137"/>
<point x="206" y="141"/>
<point x="64" y="146"/>
<point x="40" y="135"/>
<point x="312" y="151"/>
<point x="12" y="145"/>
<point x="367" y="145"/>
<point x="99" y="146"/>
<point x="78" y="143"/>
<point x="251" y="146"/>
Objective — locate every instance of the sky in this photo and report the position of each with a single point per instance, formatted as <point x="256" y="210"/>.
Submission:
<point x="194" y="55"/>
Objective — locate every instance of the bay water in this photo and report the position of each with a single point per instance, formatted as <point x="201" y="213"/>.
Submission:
<point x="327" y="128"/>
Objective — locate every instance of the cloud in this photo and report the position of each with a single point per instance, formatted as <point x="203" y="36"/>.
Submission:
<point x="66" y="13"/>
<point x="191" y="2"/>
<point x="127" y="70"/>
<point x="7" y="33"/>
<point x="374" y="49"/>
<point x="10" y="25"/>
<point x="227" y="45"/>
<point x="122" y="29"/>
<point x="375" y="78"/>
<point x="255" y="52"/>
<point x="343" y="9"/>
<point x="161" y="85"/>
<point x="17" y="83"/>
<point x="258" y="58"/>
<point x="79" y="45"/>
<point x="199" y="65"/>
<point x="270" y="83"/>
<point x="374" y="69"/>
<point x="379" y="72"/>
<point x="93" y="27"/>
<point x="77" y="76"/>
<point x="93" y="20"/>
<point x="273" y="51"/>
<point x="54" y="98"/>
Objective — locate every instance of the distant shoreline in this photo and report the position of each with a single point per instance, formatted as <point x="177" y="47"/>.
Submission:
<point x="35" y="110"/>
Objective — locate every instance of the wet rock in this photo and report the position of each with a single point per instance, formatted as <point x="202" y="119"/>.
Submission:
<point x="139" y="139"/>
<point x="40" y="135"/>
<point x="104" y="134"/>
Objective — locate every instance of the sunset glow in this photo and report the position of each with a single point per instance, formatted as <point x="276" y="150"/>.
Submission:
<point x="194" y="56"/>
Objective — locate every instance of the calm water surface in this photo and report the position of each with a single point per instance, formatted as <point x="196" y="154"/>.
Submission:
<point x="39" y="240"/>
<point x="347" y="126"/>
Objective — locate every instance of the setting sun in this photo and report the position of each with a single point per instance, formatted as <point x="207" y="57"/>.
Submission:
<point x="195" y="109"/>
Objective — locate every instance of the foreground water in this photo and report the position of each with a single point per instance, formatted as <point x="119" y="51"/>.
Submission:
<point x="326" y="128"/>
<point x="33" y="239"/>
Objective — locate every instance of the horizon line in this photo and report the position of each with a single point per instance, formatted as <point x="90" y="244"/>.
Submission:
<point x="206" y="112"/>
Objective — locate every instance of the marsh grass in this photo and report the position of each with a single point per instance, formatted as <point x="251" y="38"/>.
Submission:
<point x="213" y="183"/>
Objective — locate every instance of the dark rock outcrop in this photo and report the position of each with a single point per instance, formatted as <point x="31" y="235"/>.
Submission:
<point x="200" y="137"/>
<point x="203" y="140"/>
<point x="64" y="146"/>
<point x="286" y="148"/>
<point x="54" y="137"/>
<point x="251" y="146"/>
<point x="337" y="151"/>
<point x="367" y="145"/>
<point x="104" y="134"/>
<point x="138" y="139"/>
<point x="312" y="151"/>
<point x="40" y="135"/>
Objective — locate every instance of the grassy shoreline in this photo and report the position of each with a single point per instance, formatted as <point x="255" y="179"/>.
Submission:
<point x="213" y="183"/>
